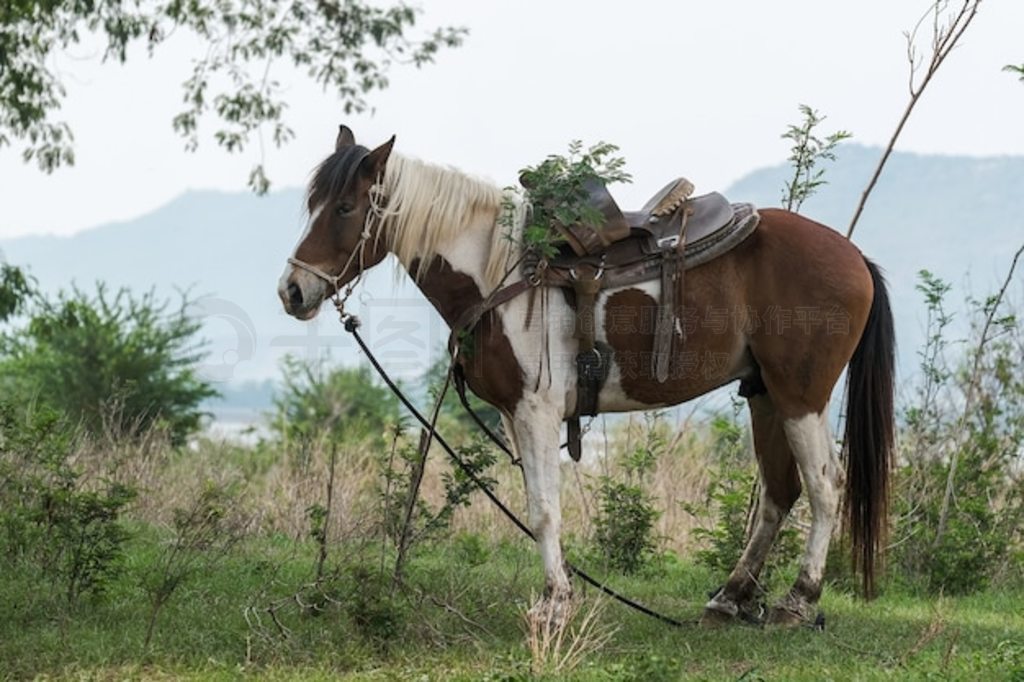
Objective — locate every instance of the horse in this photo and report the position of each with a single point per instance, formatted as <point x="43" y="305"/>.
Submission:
<point x="791" y="306"/>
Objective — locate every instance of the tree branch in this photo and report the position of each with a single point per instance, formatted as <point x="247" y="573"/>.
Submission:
<point x="944" y="40"/>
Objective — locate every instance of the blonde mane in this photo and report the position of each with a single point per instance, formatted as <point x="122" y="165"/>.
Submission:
<point x="429" y="206"/>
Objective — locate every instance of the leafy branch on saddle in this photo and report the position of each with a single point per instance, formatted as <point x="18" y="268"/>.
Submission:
<point x="577" y="239"/>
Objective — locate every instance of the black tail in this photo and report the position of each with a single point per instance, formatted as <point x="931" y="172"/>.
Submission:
<point x="869" y="433"/>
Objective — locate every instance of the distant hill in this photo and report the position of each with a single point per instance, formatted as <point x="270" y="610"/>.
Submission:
<point x="950" y="215"/>
<point x="944" y="213"/>
<point x="227" y="251"/>
<point x="960" y="217"/>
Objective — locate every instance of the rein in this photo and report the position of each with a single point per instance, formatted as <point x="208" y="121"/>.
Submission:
<point x="352" y="324"/>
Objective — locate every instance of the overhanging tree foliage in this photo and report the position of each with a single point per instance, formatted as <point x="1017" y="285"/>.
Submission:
<point x="346" y="46"/>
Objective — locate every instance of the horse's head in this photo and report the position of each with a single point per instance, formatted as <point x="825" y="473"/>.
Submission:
<point x="337" y="245"/>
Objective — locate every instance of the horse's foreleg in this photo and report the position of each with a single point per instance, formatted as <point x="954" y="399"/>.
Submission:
<point x="536" y="427"/>
<point x="823" y="477"/>
<point x="780" y="487"/>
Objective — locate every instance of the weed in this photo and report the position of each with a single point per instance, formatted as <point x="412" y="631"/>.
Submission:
<point x="807" y="153"/>
<point x="560" y="635"/>
<point x="69" y="528"/>
<point x="204" y="533"/>
<point x="624" y="526"/>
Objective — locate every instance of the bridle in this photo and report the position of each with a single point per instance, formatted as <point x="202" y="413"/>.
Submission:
<point x="375" y="215"/>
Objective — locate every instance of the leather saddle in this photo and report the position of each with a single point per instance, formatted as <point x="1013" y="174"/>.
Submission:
<point x="657" y="226"/>
<point x="631" y="246"/>
<point x="673" y="232"/>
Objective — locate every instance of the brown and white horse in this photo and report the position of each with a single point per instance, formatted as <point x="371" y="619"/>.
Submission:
<point x="784" y="313"/>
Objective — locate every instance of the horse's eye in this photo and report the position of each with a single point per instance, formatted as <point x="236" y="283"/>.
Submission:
<point x="345" y="208"/>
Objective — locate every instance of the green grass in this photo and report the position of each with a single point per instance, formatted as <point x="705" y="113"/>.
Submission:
<point x="461" y="618"/>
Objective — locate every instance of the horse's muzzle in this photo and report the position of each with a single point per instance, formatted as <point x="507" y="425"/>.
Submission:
<point x="301" y="299"/>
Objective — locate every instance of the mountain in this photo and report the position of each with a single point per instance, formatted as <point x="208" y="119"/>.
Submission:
<point x="951" y="215"/>
<point x="226" y="251"/>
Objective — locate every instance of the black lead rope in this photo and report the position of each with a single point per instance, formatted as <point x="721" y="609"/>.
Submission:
<point x="352" y="326"/>
<point x="460" y="390"/>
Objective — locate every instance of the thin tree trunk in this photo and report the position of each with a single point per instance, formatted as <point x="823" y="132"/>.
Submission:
<point x="426" y="438"/>
<point x="321" y="558"/>
<point x="410" y="505"/>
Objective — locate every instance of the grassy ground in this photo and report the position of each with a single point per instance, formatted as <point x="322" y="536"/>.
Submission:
<point x="462" y="617"/>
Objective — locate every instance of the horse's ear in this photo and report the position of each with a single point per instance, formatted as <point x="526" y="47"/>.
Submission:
<point x="373" y="164"/>
<point x="345" y="138"/>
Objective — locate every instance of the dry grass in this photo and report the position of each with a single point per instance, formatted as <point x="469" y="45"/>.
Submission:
<point x="681" y="475"/>
<point x="560" y="635"/>
<point x="278" y="484"/>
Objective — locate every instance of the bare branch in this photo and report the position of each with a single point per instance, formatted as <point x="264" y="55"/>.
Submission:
<point x="945" y="37"/>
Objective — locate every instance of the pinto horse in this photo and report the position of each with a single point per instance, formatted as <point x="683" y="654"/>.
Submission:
<point x="791" y="307"/>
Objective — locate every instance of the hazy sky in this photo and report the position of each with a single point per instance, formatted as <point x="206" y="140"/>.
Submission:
<point x="701" y="89"/>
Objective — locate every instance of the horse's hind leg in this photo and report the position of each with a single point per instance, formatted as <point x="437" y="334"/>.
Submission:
<point x="780" y="487"/>
<point x="811" y="443"/>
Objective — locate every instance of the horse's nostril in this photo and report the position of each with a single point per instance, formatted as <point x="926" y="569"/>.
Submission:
<point x="294" y="296"/>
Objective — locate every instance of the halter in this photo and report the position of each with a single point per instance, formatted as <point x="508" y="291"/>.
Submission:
<point x="376" y="211"/>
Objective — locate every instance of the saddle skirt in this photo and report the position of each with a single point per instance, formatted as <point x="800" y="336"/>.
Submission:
<point x="714" y="228"/>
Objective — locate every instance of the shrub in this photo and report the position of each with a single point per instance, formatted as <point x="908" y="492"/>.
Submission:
<point x="725" y="507"/>
<point x="558" y="192"/>
<point x="113" y="362"/>
<point x="377" y="612"/>
<point x="624" y="525"/>
<point x="725" y="513"/>
<point x="70" y="532"/>
<point x="204" y="532"/>
<point x="344" y="403"/>
<point x="471" y="549"/>
<point x="958" y="502"/>
<point x="15" y="290"/>
<point x="396" y="482"/>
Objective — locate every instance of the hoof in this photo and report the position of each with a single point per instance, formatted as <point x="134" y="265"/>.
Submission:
<point x="713" y="618"/>
<point x="721" y="610"/>
<point x="550" y="613"/>
<point x="795" y="611"/>
<point x="783" y="617"/>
